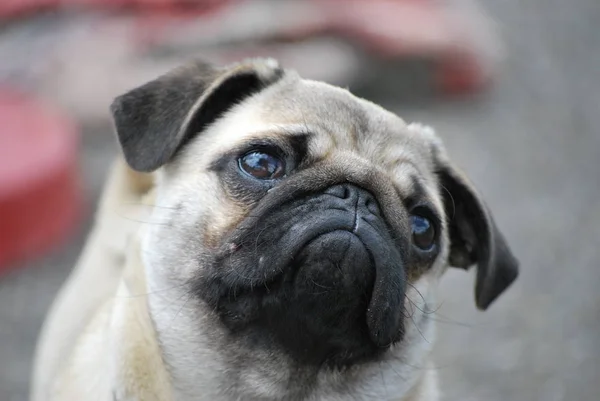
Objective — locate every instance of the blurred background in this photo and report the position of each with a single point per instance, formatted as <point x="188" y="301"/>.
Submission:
<point x="513" y="88"/>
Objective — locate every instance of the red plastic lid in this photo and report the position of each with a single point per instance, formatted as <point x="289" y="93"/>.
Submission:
<point x="39" y="185"/>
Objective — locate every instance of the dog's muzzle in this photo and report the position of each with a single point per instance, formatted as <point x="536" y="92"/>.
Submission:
<point x="321" y="276"/>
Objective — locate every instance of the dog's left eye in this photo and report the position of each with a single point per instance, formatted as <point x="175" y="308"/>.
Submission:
<point x="423" y="232"/>
<point x="262" y="165"/>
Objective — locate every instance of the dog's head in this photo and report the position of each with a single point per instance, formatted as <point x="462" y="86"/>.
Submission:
<point x="306" y="221"/>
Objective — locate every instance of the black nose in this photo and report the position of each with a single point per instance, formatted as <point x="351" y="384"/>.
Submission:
<point x="352" y="196"/>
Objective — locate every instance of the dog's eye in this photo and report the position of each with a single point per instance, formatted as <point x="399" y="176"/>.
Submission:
<point x="423" y="232"/>
<point x="261" y="165"/>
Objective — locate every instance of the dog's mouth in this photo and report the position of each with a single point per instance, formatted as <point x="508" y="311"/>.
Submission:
<point x="321" y="276"/>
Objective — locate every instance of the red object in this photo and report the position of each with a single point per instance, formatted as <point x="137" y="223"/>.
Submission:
<point x="393" y="30"/>
<point x="40" y="195"/>
<point x="19" y="8"/>
<point x="455" y="41"/>
<point x="397" y="29"/>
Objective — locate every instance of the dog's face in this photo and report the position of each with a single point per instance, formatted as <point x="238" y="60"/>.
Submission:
<point x="304" y="228"/>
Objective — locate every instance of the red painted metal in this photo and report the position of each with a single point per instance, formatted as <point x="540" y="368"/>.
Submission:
<point x="40" y="195"/>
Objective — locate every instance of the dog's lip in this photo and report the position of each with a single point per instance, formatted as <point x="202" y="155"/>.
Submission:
<point x="291" y="243"/>
<point x="384" y="315"/>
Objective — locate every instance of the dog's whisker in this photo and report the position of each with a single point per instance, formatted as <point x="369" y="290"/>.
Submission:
<point x="385" y="387"/>
<point x="320" y="285"/>
<point x="152" y="205"/>
<point x="390" y="365"/>
<point x="413" y="304"/>
<point x="453" y="323"/>
<point x="157" y="291"/>
<point x="411" y="285"/>
<point x="419" y="330"/>
<point x="447" y="320"/>
<point x="428" y="367"/>
<point x="452" y="199"/>
<point x="179" y="310"/>
<point x="154" y="223"/>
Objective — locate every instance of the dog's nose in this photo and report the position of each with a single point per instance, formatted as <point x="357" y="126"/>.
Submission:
<point x="355" y="197"/>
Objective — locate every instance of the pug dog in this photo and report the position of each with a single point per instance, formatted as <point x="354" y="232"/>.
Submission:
<point x="266" y="237"/>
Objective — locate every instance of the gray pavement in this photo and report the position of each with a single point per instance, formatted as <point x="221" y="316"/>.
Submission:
<point x="532" y="146"/>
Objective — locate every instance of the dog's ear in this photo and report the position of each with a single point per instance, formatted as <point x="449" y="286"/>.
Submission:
<point x="155" y="120"/>
<point x="474" y="237"/>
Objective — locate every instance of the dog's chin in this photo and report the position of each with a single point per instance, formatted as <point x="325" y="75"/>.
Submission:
<point x="320" y="313"/>
<point x="332" y="295"/>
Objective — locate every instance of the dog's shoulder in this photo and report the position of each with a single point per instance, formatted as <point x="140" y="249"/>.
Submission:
<point x="94" y="278"/>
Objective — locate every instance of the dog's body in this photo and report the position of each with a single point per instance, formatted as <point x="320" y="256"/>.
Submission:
<point x="280" y="240"/>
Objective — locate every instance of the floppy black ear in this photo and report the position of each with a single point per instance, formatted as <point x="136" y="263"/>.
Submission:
<point x="475" y="238"/>
<point x="155" y="120"/>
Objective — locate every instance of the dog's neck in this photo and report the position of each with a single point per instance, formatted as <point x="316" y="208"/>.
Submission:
<point x="139" y="372"/>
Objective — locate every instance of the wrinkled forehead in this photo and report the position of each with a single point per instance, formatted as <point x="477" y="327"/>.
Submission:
<point x="342" y="122"/>
<point x="334" y="122"/>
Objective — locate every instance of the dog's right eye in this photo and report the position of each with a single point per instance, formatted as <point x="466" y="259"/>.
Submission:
<point x="262" y="165"/>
